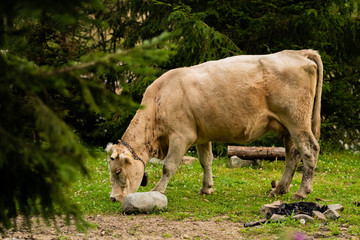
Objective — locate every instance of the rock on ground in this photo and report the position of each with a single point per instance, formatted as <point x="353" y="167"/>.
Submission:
<point x="319" y="215"/>
<point x="189" y="159"/>
<point x="156" y="161"/>
<point x="236" y="162"/>
<point x="268" y="208"/>
<point x="336" y="207"/>
<point x="186" y="160"/>
<point x="145" y="202"/>
<point x="307" y="218"/>
<point x="331" y="214"/>
<point x="277" y="218"/>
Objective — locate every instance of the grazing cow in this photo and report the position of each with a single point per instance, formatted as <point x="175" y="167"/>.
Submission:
<point x="236" y="99"/>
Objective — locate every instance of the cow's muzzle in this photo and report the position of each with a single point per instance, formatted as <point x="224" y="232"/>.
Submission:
<point x="116" y="198"/>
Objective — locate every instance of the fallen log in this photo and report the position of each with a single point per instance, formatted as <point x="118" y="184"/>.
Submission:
<point x="250" y="153"/>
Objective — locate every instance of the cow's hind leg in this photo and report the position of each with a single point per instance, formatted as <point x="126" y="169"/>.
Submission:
<point x="178" y="146"/>
<point x="292" y="159"/>
<point x="206" y="157"/>
<point x="309" y="151"/>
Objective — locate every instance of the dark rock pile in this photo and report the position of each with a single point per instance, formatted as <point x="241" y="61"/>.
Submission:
<point x="303" y="211"/>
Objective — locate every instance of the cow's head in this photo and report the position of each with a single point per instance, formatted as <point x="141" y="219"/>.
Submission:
<point x="126" y="173"/>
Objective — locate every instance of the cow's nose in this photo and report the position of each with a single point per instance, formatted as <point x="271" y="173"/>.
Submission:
<point x="112" y="199"/>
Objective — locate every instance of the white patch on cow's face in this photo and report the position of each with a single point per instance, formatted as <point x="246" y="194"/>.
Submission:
<point x="125" y="173"/>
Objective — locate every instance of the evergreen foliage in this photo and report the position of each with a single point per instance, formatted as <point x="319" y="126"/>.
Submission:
<point x="207" y="30"/>
<point x="42" y="94"/>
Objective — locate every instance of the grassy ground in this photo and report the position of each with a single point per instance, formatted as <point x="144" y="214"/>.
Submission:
<point x="239" y="193"/>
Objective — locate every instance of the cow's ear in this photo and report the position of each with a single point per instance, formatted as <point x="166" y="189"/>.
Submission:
<point x="127" y="158"/>
<point x="108" y="148"/>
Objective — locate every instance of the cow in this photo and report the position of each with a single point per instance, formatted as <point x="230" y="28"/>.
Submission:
<point x="234" y="100"/>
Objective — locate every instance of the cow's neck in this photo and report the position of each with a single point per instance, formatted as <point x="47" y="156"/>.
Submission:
<point x="139" y="135"/>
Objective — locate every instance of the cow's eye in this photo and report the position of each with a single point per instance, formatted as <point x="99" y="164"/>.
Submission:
<point x="118" y="172"/>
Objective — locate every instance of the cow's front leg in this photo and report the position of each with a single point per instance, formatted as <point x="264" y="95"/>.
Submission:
<point x="206" y="157"/>
<point x="178" y="146"/>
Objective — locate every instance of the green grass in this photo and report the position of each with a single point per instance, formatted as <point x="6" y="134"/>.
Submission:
<point x="239" y="193"/>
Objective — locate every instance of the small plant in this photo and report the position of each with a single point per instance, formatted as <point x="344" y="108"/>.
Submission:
<point x="354" y="230"/>
<point x="334" y="228"/>
<point x="63" y="237"/>
<point x="166" y="235"/>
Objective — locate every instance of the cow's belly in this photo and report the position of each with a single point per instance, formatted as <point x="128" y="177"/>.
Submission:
<point x="233" y="130"/>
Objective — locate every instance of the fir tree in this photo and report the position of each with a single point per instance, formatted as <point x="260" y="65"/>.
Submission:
<point x="41" y="153"/>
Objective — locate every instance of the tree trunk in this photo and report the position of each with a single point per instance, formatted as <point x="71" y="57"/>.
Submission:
<point x="269" y="153"/>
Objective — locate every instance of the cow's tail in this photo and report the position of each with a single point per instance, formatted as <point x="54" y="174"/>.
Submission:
<point x="316" y="116"/>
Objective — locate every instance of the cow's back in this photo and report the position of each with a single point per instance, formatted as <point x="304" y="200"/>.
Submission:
<point x="235" y="99"/>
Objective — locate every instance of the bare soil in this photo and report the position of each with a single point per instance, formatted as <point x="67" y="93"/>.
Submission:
<point x="134" y="227"/>
<point x="150" y="227"/>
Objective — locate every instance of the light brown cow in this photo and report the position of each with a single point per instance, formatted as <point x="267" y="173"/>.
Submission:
<point x="237" y="99"/>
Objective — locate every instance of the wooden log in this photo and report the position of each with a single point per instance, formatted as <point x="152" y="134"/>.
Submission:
<point x="253" y="224"/>
<point x="250" y="153"/>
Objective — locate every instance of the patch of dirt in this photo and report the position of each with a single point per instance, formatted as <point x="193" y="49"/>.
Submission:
<point x="131" y="227"/>
<point x="135" y="227"/>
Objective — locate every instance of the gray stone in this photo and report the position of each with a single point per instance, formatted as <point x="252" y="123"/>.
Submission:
<point x="145" y="202"/>
<point x="156" y="161"/>
<point x="277" y="218"/>
<point x="189" y="159"/>
<point x="236" y="162"/>
<point x="331" y="214"/>
<point x="268" y="208"/>
<point x="336" y="207"/>
<point x="319" y="215"/>
<point x="307" y="218"/>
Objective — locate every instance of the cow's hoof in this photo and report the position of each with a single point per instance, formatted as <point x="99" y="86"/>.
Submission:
<point x="278" y="191"/>
<point x="272" y="193"/>
<point x="206" y="191"/>
<point x="299" y="196"/>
